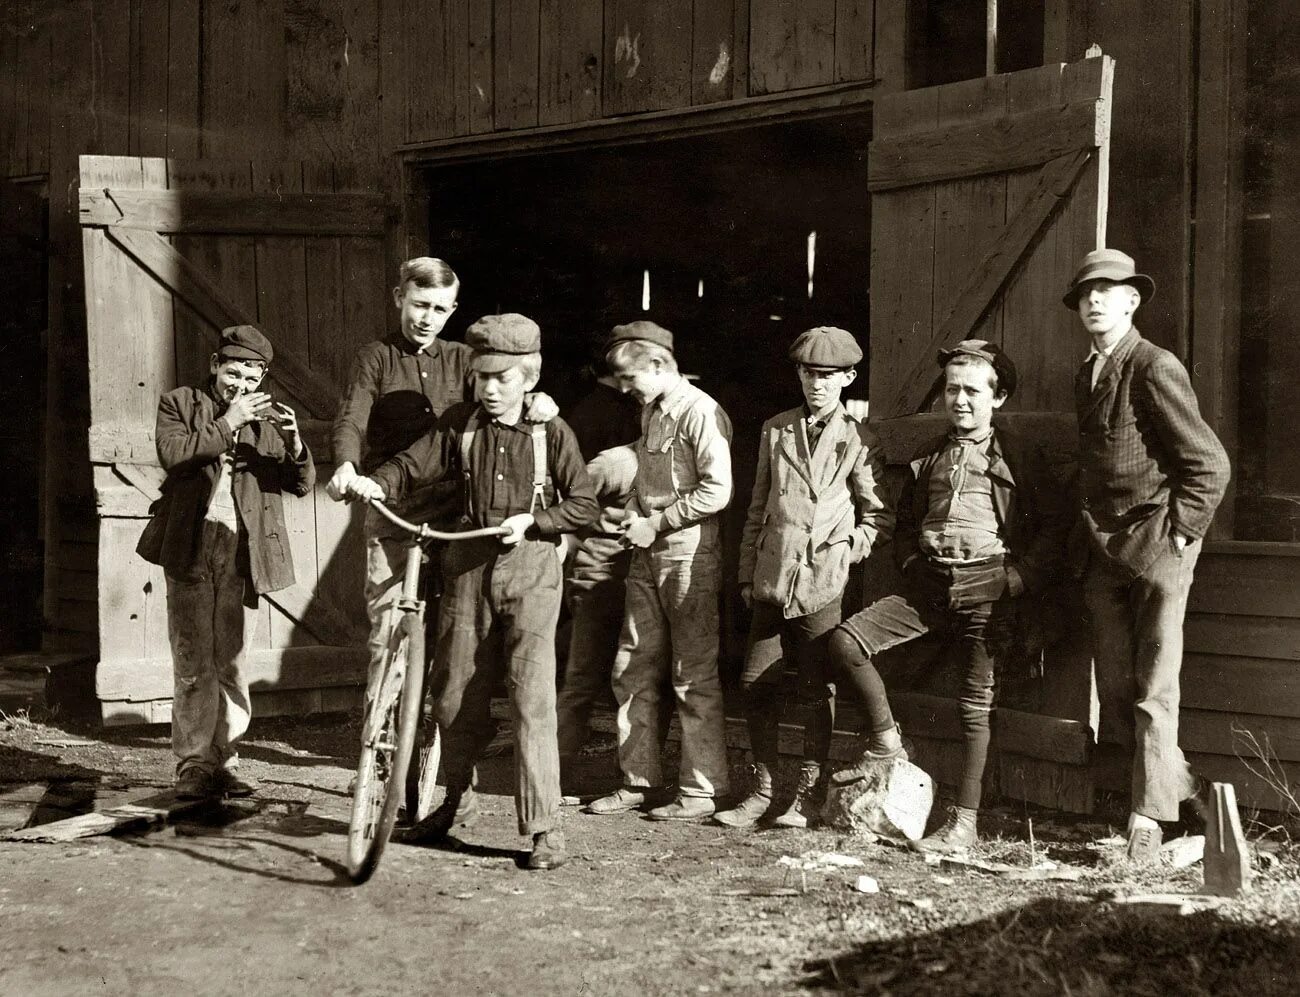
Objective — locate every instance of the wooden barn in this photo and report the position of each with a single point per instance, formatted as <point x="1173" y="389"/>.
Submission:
<point x="738" y="169"/>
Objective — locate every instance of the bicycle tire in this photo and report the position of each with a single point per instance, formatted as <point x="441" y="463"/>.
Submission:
<point x="387" y="743"/>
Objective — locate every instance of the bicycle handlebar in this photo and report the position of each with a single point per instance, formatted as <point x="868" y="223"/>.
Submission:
<point x="426" y="532"/>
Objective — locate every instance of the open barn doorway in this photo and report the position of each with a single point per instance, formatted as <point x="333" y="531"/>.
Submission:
<point x="735" y="241"/>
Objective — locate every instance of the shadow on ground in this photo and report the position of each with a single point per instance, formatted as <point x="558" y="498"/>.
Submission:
<point x="1057" y="946"/>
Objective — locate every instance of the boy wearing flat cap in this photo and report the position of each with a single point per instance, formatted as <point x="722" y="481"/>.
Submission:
<point x="670" y="625"/>
<point x="218" y="532"/>
<point x="1152" y="474"/>
<point x="980" y="522"/>
<point x="501" y="597"/>
<point x="818" y="507"/>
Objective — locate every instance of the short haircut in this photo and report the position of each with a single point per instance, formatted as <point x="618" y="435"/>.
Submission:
<point x="426" y="271"/>
<point x="638" y="354"/>
<point x="967" y="360"/>
<point x="530" y="364"/>
<point x="250" y="361"/>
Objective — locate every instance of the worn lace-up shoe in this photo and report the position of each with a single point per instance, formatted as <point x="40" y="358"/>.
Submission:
<point x="548" y="851"/>
<point x="622" y="800"/>
<point x="193" y="784"/>
<point x="808" y="795"/>
<point x="875" y="748"/>
<point x="458" y="810"/>
<point x="1144" y="845"/>
<point x="750" y="810"/>
<point x="685" y="808"/>
<point x="228" y="782"/>
<point x="957" y="834"/>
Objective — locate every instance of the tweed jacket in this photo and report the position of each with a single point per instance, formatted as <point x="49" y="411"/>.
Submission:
<point x="1028" y="501"/>
<point x="1149" y="466"/>
<point x="190" y="438"/>
<point x="812" y="515"/>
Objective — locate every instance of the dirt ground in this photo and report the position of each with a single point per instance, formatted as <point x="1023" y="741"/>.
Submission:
<point x="251" y="897"/>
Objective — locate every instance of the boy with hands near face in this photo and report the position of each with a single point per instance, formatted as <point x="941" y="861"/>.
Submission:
<point x="501" y="597"/>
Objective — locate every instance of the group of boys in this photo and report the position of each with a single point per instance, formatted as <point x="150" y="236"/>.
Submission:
<point x="449" y="432"/>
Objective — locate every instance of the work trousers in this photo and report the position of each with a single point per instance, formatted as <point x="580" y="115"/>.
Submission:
<point x="941" y="599"/>
<point x="1137" y="626"/>
<point x="775" y="640"/>
<point x="595" y="622"/>
<point x="210" y="629"/>
<point x="670" y="633"/>
<point x="498" y="616"/>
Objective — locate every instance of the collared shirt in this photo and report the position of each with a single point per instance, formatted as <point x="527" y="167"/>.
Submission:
<point x="961" y="523"/>
<point x="440" y="372"/>
<point x="501" y="471"/>
<point x="814" y="425"/>
<point x="221" y="506"/>
<point x="683" y="458"/>
<point x="1098" y="365"/>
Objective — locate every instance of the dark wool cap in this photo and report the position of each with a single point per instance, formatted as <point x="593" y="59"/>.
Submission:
<point x="1108" y="264"/>
<point x="499" y="341"/>
<point x="643" y="330"/>
<point x="826" y="346"/>
<point x="990" y="352"/>
<point x="244" y="342"/>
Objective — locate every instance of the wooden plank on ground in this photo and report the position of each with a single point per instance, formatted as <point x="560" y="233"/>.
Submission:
<point x="648" y="56"/>
<point x="1009" y="142"/>
<point x="1246" y="636"/>
<point x="570" y="46"/>
<point x="515" y="37"/>
<point x="1242" y="585"/>
<point x="791" y="45"/>
<point x="154" y="809"/>
<point x="320" y="212"/>
<point x="714" y="51"/>
<point x="855" y="29"/>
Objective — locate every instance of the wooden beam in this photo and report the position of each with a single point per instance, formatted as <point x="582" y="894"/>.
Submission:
<point x="157" y="808"/>
<point x="1011" y="142"/>
<point x="987" y="280"/>
<point x="1245" y="636"/>
<point x="1032" y="735"/>
<point x="1217" y="260"/>
<point x="189" y="282"/>
<point x="650" y="126"/>
<point x="227" y="213"/>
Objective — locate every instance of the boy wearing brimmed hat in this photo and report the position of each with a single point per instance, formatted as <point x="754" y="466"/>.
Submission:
<point x="818" y="507"/>
<point x="670" y="628"/>
<point x="501" y="597"/>
<point x="218" y="531"/>
<point x="980" y="522"/>
<point x="1152" y="473"/>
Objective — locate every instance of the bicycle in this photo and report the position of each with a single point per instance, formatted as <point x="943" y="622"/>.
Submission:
<point x="392" y="727"/>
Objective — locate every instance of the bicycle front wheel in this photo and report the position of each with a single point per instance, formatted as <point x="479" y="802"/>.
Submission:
<point x="387" y="739"/>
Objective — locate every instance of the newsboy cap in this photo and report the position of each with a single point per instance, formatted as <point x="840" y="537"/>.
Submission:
<point x="989" y="352"/>
<point x="826" y="346"/>
<point x="643" y="330"/>
<point x="1108" y="264"/>
<point x="499" y="341"/>
<point x="244" y="342"/>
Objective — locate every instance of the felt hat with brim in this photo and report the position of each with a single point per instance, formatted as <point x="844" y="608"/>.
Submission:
<point x="826" y="348"/>
<point x="1108" y="264"/>
<point x="499" y="341"/>
<point x="244" y="342"/>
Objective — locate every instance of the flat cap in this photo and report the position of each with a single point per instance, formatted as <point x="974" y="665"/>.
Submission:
<point x="826" y="346"/>
<point x="244" y="342"/>
<point x="499" y="341"/>
<point x="643" y="330"/>
<point x="1108" y="264"/>
<point x="991" y="353"/>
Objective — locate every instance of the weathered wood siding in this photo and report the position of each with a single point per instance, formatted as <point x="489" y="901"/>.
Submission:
<point x="473" y="66"/>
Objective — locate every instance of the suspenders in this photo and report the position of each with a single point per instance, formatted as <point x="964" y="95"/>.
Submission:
<point x="540" y="469"/>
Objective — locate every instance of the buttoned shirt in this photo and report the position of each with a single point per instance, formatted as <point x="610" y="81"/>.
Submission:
<point x="961" y="523"/>
<point x="814" y="425"/>
<point x="500" y="473"/>
<point x="683" y="458"/>
<point x="440" y="372"/>
<point x="1098" y="360"/>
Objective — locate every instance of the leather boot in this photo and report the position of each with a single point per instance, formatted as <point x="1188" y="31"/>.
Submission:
<point x="458" y="810"/>
<point x="876" y="747"/>
<point x="755" y="803"/>
<point x="957" y="834"/>
<point x="808" y="795"/>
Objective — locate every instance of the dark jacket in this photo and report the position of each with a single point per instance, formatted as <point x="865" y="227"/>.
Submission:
<point x="1030" y="504"/>
<point x="190" y="438"/>
<point x="1148" y="463"/>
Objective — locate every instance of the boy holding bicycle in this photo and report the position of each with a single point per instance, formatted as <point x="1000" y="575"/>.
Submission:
<point x="501" y="598"/>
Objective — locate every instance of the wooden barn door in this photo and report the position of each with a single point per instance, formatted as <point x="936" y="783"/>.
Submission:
<point x="175" y="251"/>
<point x="985" y="194"/>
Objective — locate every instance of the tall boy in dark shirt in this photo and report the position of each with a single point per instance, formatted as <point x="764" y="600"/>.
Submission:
<point x="501" y="598"/>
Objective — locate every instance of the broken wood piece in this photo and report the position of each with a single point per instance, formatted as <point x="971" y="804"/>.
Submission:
<point x="1170" y="903"/>
<point x="156" y="809"/>
<point x="1044" y="870"/>
<point x="1227" y="857"/>
<point x="1184" y="851"/>
<point x="63" y="742"/>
